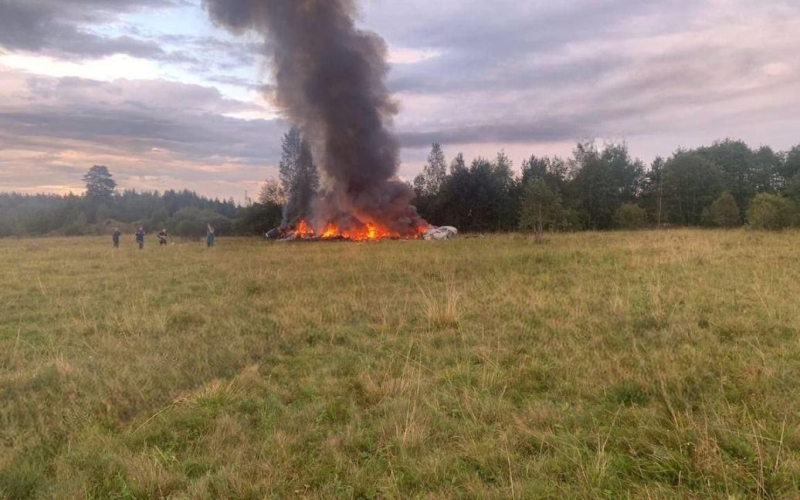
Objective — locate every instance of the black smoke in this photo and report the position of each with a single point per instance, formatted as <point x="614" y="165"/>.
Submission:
<point x="330" y="80"/>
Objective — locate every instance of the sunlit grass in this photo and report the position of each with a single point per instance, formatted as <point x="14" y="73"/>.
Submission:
<point x="614" y="365"/>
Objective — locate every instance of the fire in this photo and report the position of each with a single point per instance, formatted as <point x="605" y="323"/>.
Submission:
<point x="369" y="232"/>
<point x="331" y="231"/>
<point x="303" y="230"/>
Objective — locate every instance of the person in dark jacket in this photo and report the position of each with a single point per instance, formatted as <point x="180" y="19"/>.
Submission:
<point x="210" y="236"/>
<point x="140" y="238"/>
<point x="115" y="237"/>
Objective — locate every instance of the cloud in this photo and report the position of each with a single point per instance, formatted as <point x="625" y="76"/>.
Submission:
<point x="477" y="75"/>
<point x="64" y="27"/>
<point x="78" y="30"/>
<point x="55" y="128"/>
<point x="540" y="73"/>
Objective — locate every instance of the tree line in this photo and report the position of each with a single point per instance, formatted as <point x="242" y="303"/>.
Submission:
<point x="599" y="187"/>
<point x="102" y="208"/>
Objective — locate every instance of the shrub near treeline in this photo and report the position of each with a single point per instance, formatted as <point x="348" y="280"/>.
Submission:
<point x="630" y="216"/>
<point x="771" y="212"/>
<point x="724" y="212"/>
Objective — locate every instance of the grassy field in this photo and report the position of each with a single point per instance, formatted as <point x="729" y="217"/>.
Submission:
<point x="616" y="365"/>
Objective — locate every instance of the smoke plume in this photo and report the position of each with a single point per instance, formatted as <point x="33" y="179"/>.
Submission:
<point x="330" y="80"/>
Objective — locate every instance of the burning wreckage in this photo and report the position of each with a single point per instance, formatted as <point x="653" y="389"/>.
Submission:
<point x="369" y="232"/>
<point x="330" y="82"/>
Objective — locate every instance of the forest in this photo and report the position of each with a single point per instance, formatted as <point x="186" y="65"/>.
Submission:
<point x="599" y="187"/>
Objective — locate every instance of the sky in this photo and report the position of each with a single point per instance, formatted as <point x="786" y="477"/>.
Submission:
<point x="166" y="100"/>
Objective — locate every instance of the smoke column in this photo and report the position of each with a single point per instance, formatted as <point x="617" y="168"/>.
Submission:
<point x="330" y="80"/>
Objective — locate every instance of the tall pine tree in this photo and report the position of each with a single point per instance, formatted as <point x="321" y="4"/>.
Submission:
<point x="299" y="176"/>
<point x="100" y="184"/>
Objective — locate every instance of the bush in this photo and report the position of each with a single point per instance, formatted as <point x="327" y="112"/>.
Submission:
<point x="724" y="211"/>
<point x="793" y="189"/>
<point x="259" y="218"/>
<point x="770" y="212"/>
<point x="541" y="209"/>
<point x="191" y="222"/>
<point x="78" y="227"/>
<point x="630" y="216"/>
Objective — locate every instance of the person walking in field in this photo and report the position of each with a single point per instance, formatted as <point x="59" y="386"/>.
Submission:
<point x="115" y="237"/>
<point x="210" y="236"/>
<point x="140" y="238"/>
<point x="162" y="238"/>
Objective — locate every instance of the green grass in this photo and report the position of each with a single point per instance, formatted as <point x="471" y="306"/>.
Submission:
<point x="616" y="365"/>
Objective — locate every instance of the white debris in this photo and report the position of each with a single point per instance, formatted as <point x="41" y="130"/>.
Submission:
<point x="440" y="233"/>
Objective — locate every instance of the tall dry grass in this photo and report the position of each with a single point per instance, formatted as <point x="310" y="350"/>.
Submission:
<point x="613" y="365"/>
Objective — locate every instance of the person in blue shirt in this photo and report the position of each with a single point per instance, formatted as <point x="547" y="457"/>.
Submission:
<point x="140" y="238"/>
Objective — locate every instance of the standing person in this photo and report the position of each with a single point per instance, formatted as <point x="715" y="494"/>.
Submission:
<point x="162" y="238"/>
<point x="115" y="237"/>
<point x="140" y="238"/>
<point x="209" y="236"/>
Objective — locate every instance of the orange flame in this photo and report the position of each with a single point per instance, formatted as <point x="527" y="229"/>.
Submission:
<point x="303" y="230"/>
<point x="369" y="232"/>
<point x="331" y="231"/>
